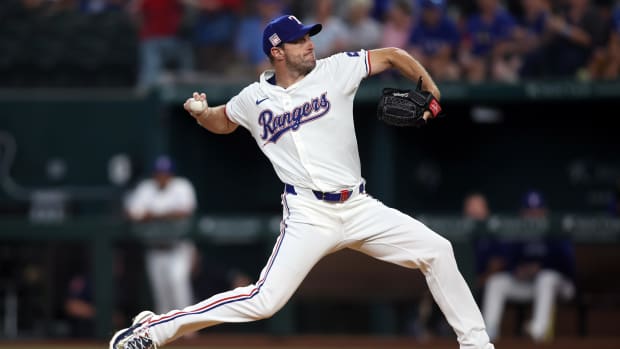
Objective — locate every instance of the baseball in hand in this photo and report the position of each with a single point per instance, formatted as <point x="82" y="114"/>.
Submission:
<point x="197" y="106"/>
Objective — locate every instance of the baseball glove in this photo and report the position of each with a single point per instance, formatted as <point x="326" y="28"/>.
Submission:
<point x="406" y="107"/>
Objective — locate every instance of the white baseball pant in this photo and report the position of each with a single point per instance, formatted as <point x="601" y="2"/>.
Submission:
<point x="169" y="273"/>
<point x="311" y="229"/>
<point x="541" y="291"/>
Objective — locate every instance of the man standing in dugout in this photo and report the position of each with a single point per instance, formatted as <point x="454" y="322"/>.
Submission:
<point x="294" y="112"/>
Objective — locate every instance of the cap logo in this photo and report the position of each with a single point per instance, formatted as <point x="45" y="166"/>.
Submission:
<point x="275" y="39"/>
<point x="293" y="18"/>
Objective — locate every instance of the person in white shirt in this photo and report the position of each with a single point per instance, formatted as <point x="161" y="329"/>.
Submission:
<point x="161" y="208"/>
<point x="301" y="116"/>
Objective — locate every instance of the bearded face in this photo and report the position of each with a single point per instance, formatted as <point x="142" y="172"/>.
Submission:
<point x="299" y="55"/>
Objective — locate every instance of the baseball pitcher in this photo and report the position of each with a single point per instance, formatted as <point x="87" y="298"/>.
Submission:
<point x="301" y="116"/>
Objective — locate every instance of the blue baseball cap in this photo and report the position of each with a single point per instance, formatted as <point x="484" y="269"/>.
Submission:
<point x="533" y="199"/>
<point x="286" y="28"/>
<point x="428" y="4"/>
<point x="163" y="164"/>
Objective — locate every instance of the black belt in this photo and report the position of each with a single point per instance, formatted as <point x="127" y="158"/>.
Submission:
<point x="340" y="196"/>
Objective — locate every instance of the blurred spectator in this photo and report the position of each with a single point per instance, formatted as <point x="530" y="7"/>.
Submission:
<point x="213" y="31"/>
<point x="435" y="40"/>
<point x="476" y="207"/>
<point x="428" y="320"/>
<point x="79" y="305"/>
<point x="605" y="63"/>
<point x="614" y="205"/>
<point x="488" y="47"/>
<point x="161" y="208"/>
<point x="160" y="44"/>
<point x="333" y="36"/>
<point x="248" y="44"/>
<point x="533" y="205"/>
<point x="63" y="6"/>
<point x="98" y="6"/>
<point x="364" y="32"/>
<point x="530" y="36"/>
<point x="571" y="37"/>
<point x="535" y="269"/>
<point x="398" y="25"/>
<point x="381" y="8"/>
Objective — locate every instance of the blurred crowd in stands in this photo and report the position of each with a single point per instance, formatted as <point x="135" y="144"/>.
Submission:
<point x="131" y="42"/>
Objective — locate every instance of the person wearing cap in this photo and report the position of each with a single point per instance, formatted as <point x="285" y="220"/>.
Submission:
<point x="300" y="114"/>
<point x="247" y="48"/>
<point x="528" y="269"/>
<point x="435" y="39"/>
<point x="160" y="209"/>
<point x="488" y="47"/>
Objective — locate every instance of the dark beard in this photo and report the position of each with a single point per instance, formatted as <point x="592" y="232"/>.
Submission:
<point x="302" y="69"/>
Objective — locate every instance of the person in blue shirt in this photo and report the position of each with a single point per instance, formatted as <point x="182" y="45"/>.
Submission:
<point x="79" y="300"/>
<point x="530" y="34"/>
<point x="488" y="45"/>
<point x="247" y="47"/>
<point x="434" y="40"/>
<point x="532" y="269"/>
<point x="212" y="32"/>
<point x="614" y="203"/>
<point x="571" y="39"/>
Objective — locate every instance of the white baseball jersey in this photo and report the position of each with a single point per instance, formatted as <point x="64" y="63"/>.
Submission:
<point x="179" y="194"/>
<point x="289" y="124"/>
<point x="169" y="268"/>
